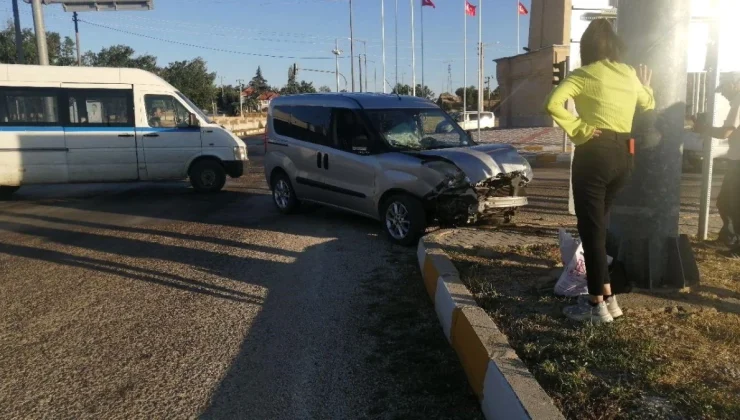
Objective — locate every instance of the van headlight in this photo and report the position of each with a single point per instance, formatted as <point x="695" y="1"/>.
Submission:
<point x="454" y="177"/>
<point x="240" y="153"/>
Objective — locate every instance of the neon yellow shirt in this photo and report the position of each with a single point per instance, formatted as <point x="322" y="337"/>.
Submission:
<point x="606" y="95"/>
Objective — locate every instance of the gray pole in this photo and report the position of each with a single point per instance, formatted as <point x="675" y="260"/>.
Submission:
<point x="421" y="18"/>
<point x="359" y="63"/>
<point x="396" y="35"/>
<point x="708" y="167"/>
<point x="77" y="38"/>
<point x="351" y="46"/>
<point x="644" y="219"/>
<point x="366" y="72"/>
<point x="38" y="24"/>
<point x="336" y="58"/>
<point x="382" y="36"/>
<point x="19" y="58"/>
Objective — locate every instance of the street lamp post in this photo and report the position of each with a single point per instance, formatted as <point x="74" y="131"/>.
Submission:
<point x="351" y="46"/>
<point x="337" y="52"/>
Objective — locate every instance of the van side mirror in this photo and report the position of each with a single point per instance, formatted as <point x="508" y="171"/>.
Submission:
<point x="193" y="120"/>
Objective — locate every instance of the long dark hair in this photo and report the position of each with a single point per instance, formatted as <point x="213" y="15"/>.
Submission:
<point x="600" y="42"/>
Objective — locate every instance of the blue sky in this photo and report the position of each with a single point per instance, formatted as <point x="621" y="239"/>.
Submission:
<point x="300" y="28"/>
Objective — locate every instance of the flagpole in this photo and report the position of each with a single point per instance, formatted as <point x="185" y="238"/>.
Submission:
<point x="480" y="63"/>
<point x="518" y="31"/>
<point x="413" y="52"/>
<point x="382" y="35"/>
<point x="396" y="34"/>
<point x="465" y="59"/>
<point x="422" y="49"/>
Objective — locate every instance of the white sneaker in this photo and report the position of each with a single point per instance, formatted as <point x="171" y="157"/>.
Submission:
<point x="613" y="307"/>
<point x="584" y="311"/>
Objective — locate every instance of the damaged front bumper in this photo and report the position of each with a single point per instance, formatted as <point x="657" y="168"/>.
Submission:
<point x="496" y="198"/>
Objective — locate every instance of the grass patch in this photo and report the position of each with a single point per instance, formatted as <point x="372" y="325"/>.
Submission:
<point x="659" y="361"/>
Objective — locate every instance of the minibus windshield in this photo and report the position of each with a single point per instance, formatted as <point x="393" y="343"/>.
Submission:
<point x="195" y="107"/>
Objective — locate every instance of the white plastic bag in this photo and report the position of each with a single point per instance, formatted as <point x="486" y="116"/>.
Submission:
<point x="572" y="281"/>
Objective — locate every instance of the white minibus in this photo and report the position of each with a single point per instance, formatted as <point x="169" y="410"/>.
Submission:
<point x="85" y="124"/>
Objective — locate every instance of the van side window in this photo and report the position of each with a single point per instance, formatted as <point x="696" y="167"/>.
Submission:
<point x="29" y="106"/>
<point x="166" y="111"/>
<point x="102" y="108"/>
<point x="350" y="132"/>
<point x="305" y="123"/>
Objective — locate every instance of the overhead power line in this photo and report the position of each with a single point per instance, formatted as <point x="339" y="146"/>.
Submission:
<point x="187" y="44"/>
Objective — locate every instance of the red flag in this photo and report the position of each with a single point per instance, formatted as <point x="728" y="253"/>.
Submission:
<point x="428" y="3"/>
<point x="469" y="9"/>
<point x="523" y="10"/>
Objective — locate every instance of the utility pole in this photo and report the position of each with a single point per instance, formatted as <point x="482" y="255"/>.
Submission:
<point x="366" y="72"/>
<point x="382" y="37"/>
<point x="19" y="58"/>
<point x="38" y="25"/>
<point x="359" y="63"/>
<point x="336" y="51"/>
<point x="396" y="35"/>
<point x="351" y="46"/>
<point x="241" y="97"/>
<point x="413" y="53"/>
<point x="644" y="219"/>
<point x="77" y="38"/>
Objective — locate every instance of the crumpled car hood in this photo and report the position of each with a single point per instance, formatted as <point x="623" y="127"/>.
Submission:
<point x="483" y="161"/>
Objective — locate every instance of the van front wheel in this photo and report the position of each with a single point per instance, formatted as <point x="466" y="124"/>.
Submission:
<point x="404" y="219"/>
<point x="207" y="176"/>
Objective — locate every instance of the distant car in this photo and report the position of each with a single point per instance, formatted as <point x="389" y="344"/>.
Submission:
<point x="693" y="150"/>
<point x="470" y="120"/>
<point x="400" y="160"/>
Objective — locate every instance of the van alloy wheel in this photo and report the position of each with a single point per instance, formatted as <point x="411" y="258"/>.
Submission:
<point x="397" y="220"/>
<point x="281" y="194"/>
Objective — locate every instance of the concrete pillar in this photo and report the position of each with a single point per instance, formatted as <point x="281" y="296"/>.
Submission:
<point x="644" y="220"/>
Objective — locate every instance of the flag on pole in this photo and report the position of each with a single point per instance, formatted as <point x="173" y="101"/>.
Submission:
<point x="522" y="9"/>
<point x="469" y="9"/>
<point x="428" y="3"/>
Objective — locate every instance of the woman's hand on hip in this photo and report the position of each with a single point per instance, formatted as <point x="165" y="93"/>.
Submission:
<point x="645" y="74"/>
<point x="596" y="134"/>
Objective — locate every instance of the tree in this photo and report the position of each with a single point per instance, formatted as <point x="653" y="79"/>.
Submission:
<point x="306" y="87"/>
<point x="424" y="92"/>
<point x="325" y="89"/>
<point x="193" y="79"/>
<point x="402" y="89"/>
<point x="258" y="83"/>
<point x="61" y="52"/>
<point x="120" y="56"/>
<point x="471" y="97"/>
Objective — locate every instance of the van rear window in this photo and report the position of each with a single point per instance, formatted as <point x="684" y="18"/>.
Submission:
<point x="28" y="106"/>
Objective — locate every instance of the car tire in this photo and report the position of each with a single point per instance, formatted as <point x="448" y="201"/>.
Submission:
<point x="6" y="192"/>
<point x="207" y="176"/>
<point x="283" y="194"/>
<point x="403" y="219"/>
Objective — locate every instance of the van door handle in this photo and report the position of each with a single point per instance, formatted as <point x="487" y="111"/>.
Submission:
<point x="209" y="131"/>
<point x="318" y="160"/>
<point x="125" y="135"/>
<point x="326" y="161"/>
<point x="151" y="135"/>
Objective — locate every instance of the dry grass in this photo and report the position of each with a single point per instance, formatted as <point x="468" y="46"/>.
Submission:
<point x="674" y="360"/>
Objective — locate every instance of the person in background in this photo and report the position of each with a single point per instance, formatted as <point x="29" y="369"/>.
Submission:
<point x="728" y="201"/>
<point x="606" y="93"/>
<point x="155" y="117"/>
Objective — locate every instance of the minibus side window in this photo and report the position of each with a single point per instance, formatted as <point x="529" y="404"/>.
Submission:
<point x="165" y="111"/>
<point x="28" y="106"/>
<point x="100" y="107"/>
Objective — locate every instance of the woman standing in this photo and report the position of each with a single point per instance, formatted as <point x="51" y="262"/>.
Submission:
<point x="606" y="93"/>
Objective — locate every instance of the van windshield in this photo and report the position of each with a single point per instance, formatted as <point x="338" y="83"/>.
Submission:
<point x="195" y="108"/>
<point x="418" y="129"/>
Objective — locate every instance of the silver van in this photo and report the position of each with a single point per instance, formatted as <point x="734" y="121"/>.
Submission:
<point x="397" y="159"/>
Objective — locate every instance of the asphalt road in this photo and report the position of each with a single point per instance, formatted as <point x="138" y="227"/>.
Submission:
<point x="150" y="301"/>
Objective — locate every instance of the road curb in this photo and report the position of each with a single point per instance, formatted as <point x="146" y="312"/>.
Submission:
<point x="504" y="386"/>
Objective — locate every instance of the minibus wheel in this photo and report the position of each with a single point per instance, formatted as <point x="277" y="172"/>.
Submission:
<point x="207" y="176"/>
<point x="6" y="192"/>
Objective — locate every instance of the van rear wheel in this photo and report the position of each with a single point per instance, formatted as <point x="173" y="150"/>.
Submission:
<point x="207" y="176"/>
<point x="283" y="194"/>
